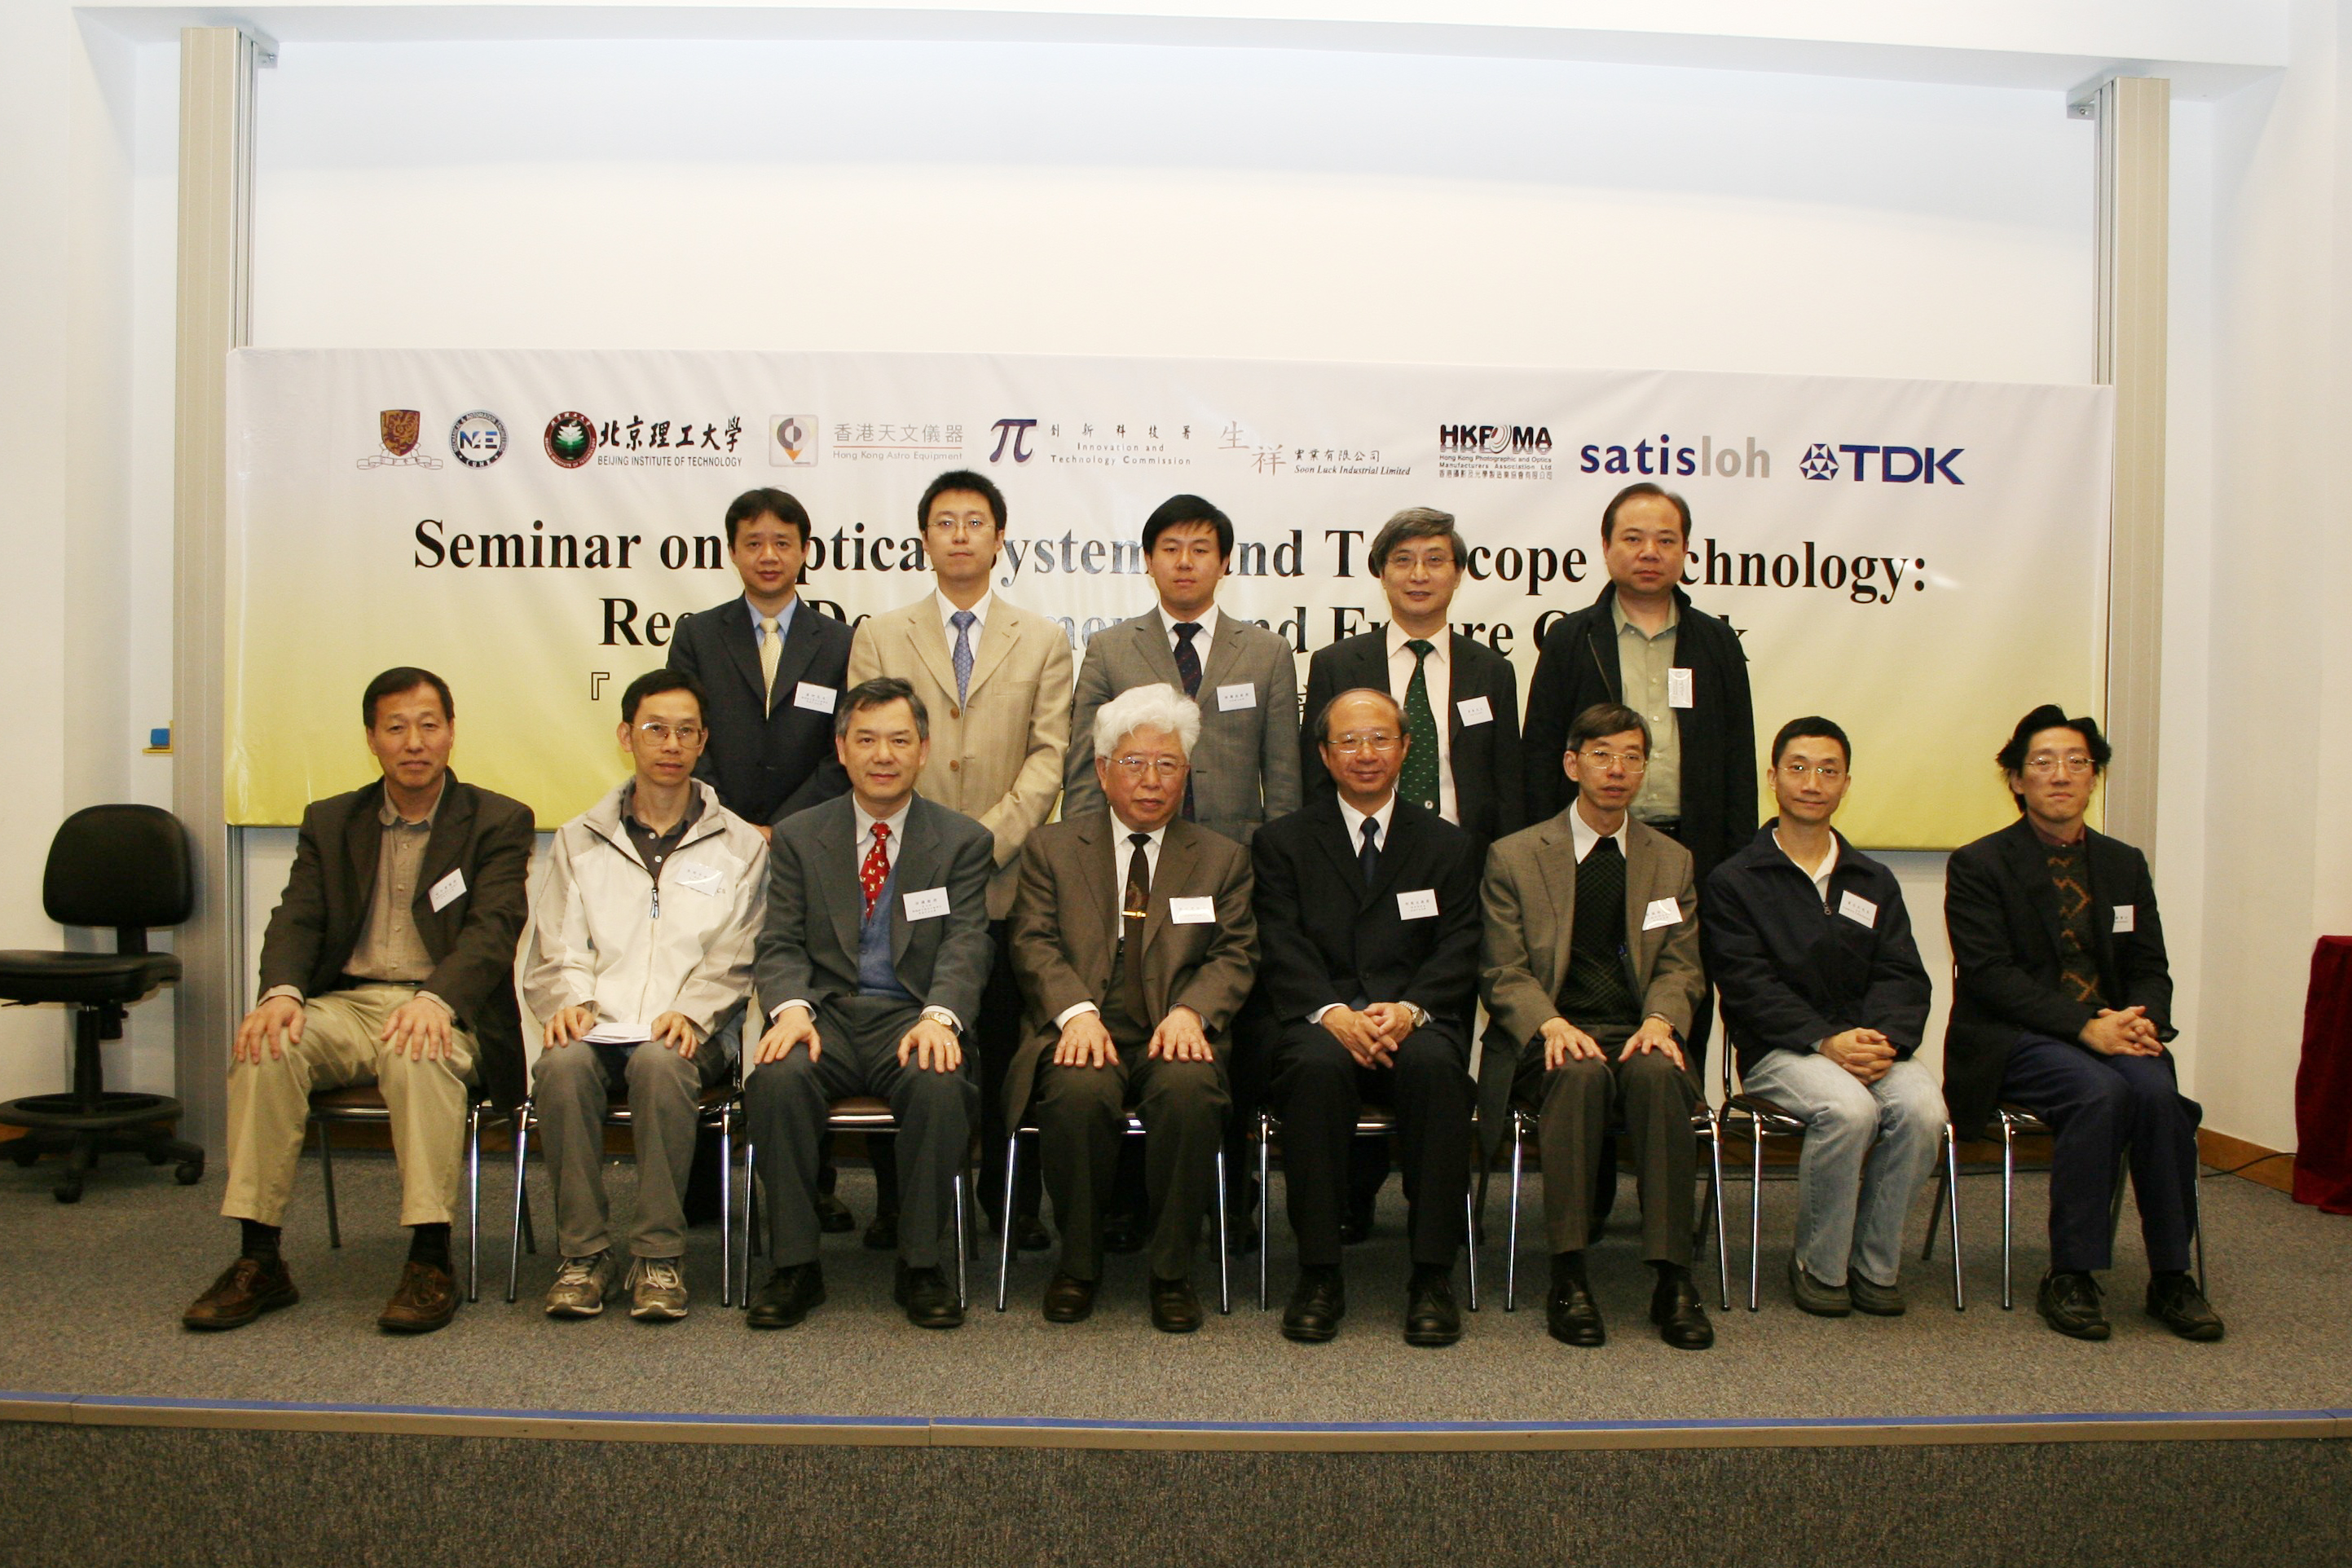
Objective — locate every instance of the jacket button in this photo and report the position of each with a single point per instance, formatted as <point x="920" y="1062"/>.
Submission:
<point x="955" y="767"/>
<point x="954" y="712"/>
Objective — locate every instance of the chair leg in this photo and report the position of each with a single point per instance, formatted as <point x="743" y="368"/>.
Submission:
<point x="1265" y="1204"/>
<point x="1004" y="1242"/>
<point x="1936" y="1208"/>
<point x="514" y="1231"/>
<point x="1722" y="1241"/>
<point x="727" y="1206"/>
<point x="327" y="1170"/>
<point x="963" y="1240"/>
<point x="2197" y="1231"/>
<point x="1470" y="1246"/>
<point x="1755" y="1212"/>
<point x="2007" y="1203"/>
<point x="1952" y="1189"/>
<point x="750" y="1224"/>
<point x="473" y="1202"/>
<point x="1225" y="1247"/>
<point x="1511" y="1238"/>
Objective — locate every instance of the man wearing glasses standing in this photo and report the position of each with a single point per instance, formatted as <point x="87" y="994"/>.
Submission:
<point x="1824" y="1000"/>
<point x="1591" y="973"/>
<point x="2063" y="1005"/>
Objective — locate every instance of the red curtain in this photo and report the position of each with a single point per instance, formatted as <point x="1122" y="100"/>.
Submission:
<point x="2323" y="1085"/>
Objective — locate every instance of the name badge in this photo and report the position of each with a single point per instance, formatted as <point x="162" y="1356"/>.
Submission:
<point x="1417" y="906"/>
<point x="1231" y="698"/>
<point x="1859" y="910"/>
<point x="1475" y="711"/>
<point x="1192" y="911"/>
<point x="2126" y="917"/>
<point x="707" y="880"/>
<point x="1661" y="912"/>
<point x="928" y="905"/>
<point x="447" y="891"/>
<point x="816" y="698"/>
<point x="1679" y="688"/>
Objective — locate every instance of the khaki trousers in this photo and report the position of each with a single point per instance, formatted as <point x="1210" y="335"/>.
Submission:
<point x="269" y="1106"/>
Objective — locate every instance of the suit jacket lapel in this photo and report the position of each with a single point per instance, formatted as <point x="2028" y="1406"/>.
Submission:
<point x="362" y="852"/>
<point x="453" y="827"/>
<point x="1153" y="631"/>
<point x="799" y="648"/>
<point x="2031" y="867"/>
<point x="930" y="642"/>
<point x="1556" y="856"/>
<point x="1170" y="879"/>
<point x="1401" y="839"/>
<point x="996" y="639"/>
<point x="1099" y="844"/>
<point x="1331" y="833"/>
<point x="1457" y="688"/>
<point x="837" y="853"/>
<point x="918" y="860"/>
<point x="1224" y="654"/>
<point x="741" y="639"/>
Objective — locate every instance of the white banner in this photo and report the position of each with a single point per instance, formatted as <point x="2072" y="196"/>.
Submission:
<point x="1922" y="561"/>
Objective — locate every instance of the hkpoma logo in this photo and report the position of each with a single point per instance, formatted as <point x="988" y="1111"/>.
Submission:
<point x="397" y="429"/>
<point x="1897" y="465"/>
<point x="792" y="440"/>
<point x="479" y="439"/>
<point x="570" y="439"/>
<point x="1493" y="451"/>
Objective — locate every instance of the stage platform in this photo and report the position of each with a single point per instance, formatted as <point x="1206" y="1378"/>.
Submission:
<point x="104" y="1383"/>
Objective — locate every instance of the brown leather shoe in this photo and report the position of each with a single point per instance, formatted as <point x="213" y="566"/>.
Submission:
<point x="245" y="1289"/>
<point x="425" y="1300"/>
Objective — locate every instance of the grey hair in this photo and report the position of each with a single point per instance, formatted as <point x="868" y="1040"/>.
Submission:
<point x="1160" y="706"/>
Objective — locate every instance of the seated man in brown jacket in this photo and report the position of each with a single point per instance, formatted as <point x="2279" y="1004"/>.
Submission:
<point x="390" y="961"/>
<point x="1130" y="997"/>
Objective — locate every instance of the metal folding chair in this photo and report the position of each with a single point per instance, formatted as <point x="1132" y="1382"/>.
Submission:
<point x="364" y="1105"/>
<point x="1134" y="1130"/>
<point x="1372" y="1121"/>
<point x="1704" y="1124"/>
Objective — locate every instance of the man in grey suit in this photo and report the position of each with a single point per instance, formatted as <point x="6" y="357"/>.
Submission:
<point x="875" y="950"/>
<point x="1246" y="768"/>
<point x="1590" y="973"/>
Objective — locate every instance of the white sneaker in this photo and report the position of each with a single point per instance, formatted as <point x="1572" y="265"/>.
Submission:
<point x="580" y="1286"/>
<point x="656" y="1290"/>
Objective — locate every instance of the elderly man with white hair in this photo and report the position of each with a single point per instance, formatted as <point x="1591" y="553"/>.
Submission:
<point x="1134" y="944"/>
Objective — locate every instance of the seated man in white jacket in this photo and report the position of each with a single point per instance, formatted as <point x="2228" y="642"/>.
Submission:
<point x="637" y="963"/>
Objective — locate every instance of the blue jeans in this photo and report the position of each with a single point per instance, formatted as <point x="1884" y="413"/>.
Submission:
<point x="2099" y="1108"/>
<point x="1867" y="1148"/>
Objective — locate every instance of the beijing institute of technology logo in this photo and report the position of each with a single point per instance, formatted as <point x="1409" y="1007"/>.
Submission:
<point x="479" y="439"/>
<point x="397" y="429"/>
<point x="571" y="440"/>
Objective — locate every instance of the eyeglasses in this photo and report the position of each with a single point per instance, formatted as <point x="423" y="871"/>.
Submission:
<point x="1377" y="741"/>
<point x="1631" y="762"/>
<point x="2048" y="762"/>
<point x="660" y="733"/>
<point x="1828" y="772"/>
<point x="1405" y="560"/>
<point x="1165" y="769"/>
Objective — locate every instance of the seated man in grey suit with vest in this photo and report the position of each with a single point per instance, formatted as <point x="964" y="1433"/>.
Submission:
<point x="1592" y="972"/>
<point x="875" y="949"/>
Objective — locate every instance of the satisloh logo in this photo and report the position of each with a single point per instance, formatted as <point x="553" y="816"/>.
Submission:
<point x="1897" y="465"/>
<point x="1819" y="462"/>
<point x="1493" y="451"/>
<point x="397" y="429"/>
<point x="479" y="439"/>
<point x="570" y="439"/>
<point x="792" y="440"/>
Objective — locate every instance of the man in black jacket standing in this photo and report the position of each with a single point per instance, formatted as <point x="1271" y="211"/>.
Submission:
<point x="2063" y="1005"/>
<point x="1369" y="924"/>
<point x="1824" y="1000"/>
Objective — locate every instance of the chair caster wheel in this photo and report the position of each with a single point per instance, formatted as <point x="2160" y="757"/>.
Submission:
<point x="68" y="1191"/>
<point x="190" y="1172"/>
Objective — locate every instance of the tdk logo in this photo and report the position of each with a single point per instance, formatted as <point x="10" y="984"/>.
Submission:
<point x="1897" y="465"/>
<point x="1494" y="440"/>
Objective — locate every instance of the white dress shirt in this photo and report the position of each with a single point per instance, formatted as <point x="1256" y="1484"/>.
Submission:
<point x="1121" y="851"/>
<point x="1354" y="821"/>
<point x="947" y="612"/>
<point x="1437" y="676"/>
<point x="1587" y="835"/>
<point x="1200" y="639"/>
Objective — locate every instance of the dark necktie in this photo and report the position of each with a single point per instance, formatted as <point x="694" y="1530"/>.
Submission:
<point x="1132" y="910"/>
<point x="1369" y="857"/>
<point x="1188" y="668"/>
<point x="1600" y="892"/>
<point x="1417" y="781"/>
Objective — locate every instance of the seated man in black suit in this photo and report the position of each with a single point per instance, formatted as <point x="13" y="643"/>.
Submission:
<point x="871" y="960"/>
<point x="2063" y="1004"/>
<point x="1368" y="911"/>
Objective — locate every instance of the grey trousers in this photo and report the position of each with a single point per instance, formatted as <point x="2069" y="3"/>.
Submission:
<point x="571" y="1088"/>
<point x="785" y="1103"/>
<point x="1574" y="1101"/>
<point x="1081" y="1122"/>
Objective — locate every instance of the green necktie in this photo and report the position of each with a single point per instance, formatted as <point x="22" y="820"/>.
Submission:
<point x="1418" y="783"/>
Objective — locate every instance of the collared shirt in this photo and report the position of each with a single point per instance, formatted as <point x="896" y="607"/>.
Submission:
<point x="2082" y="831"/>
<point x="897" y="824"/>
<point x="1821" y="875"/>
<point x="783" y="619"/>
<point x="1643" y="661"/>
<point x="654" y="847"/>
<point x="949" y="610"/>
<point x="1355" y="821"/>
<point x="390" y="946"/>
<point x="1207" y="620"/>
<point x="1437" y="680"/>
<point x="1121" y="851"/>
<point x="1586" y="836"/>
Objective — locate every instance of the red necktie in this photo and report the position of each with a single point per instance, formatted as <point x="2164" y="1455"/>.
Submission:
<point x="876" y="869"/>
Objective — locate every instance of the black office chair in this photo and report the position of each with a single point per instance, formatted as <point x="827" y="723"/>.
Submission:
<point x="127" y="867"/>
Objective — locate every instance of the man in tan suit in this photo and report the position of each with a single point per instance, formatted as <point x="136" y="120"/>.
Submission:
<point x="1591" y="973"/>
<point x="1131" y="996"/>
<point x="996" y="681"/>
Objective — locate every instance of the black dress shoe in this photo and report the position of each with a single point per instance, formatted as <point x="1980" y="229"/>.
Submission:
<point x="2174" y="1300"/>
<point x="1681" y="1316"/>
<point x="930" y="1299"/>
<point x="1069" y="1300"/>
<point x="1123" y="1234"/>
<point x="787" y="1296"/>
<point x="1174" y="1309"/>
<point x="1030" y="1235"/>
<point x="2069" y="1303"/>
<point x="1431" y="1317"/>
<point x="1571" y="1314"/>
<point x="882" y="1235"/>
<point x="1316" y="1305"/>
<point x="832" y="1216"/>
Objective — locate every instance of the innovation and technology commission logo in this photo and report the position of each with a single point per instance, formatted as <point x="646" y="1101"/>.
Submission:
<point x="570" y="439"/>
<point x="479" y="439"/>
<point x="792" y="440"/>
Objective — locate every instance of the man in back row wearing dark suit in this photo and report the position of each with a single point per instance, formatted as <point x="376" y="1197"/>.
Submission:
<point x="1369" y="920"/>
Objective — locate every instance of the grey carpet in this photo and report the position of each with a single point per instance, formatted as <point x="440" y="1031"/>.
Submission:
<point x="105" y="1281"/>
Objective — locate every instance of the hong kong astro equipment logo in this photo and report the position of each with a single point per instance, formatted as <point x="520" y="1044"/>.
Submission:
<point x="792" y="440"/>
<point x="479" y="439"/>
<point x="570" y="439"/>
<point x="397" y="429"/>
